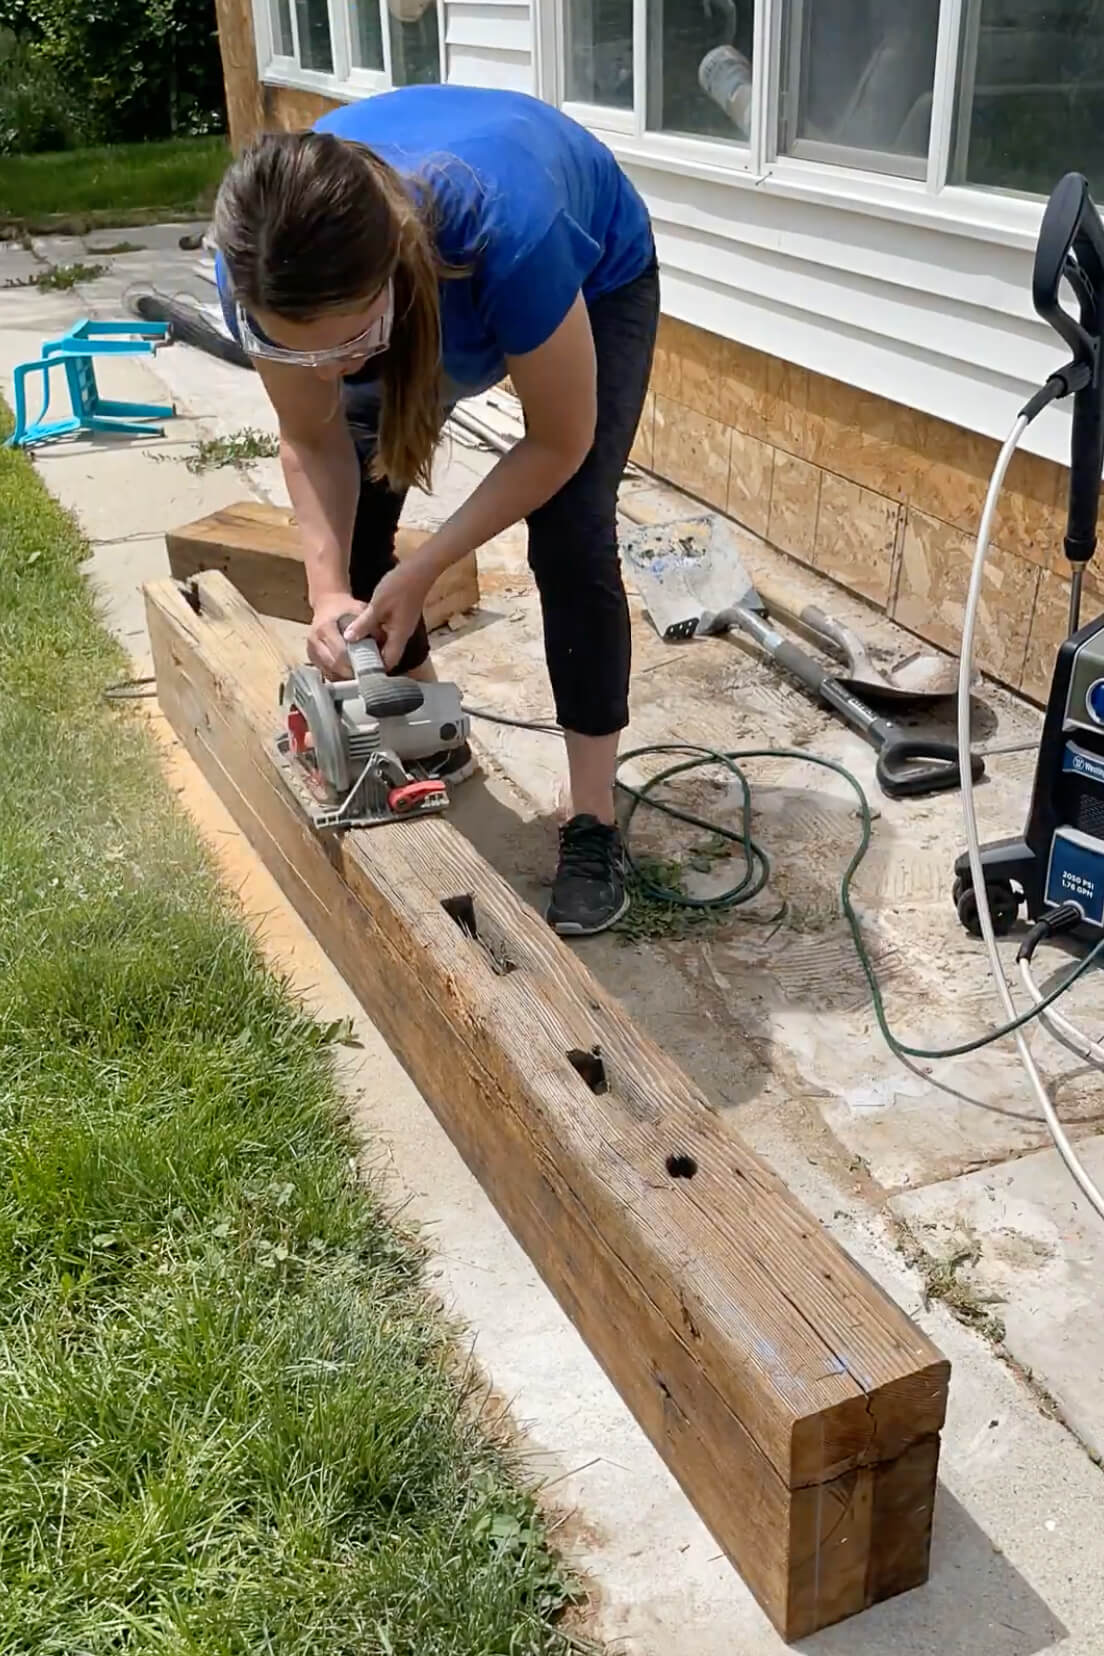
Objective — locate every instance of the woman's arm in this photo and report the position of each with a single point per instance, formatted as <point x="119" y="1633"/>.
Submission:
<point x="320" y="468"/>
<point x="557" y="385"/>
<point x="322" y="473"/>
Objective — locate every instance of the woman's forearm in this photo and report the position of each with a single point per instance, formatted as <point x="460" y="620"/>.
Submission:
<point x="522" y="481"/>
<point x="323" y="481"/>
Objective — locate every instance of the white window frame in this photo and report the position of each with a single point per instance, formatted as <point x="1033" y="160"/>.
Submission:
<point x="347" y="82"/>
<point x="927" y="200"/>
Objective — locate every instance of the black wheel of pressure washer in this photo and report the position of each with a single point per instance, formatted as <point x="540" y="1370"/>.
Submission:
<point x="957" y="889"/>
<point x="1004" y="905"/>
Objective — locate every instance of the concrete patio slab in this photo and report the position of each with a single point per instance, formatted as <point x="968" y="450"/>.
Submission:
<point x="773" y="1022"/>
<point x="1034" y="1253"/>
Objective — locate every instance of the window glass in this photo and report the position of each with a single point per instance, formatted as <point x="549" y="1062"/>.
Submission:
<point x="857" y="80"/>
<point x="415" y="42"/>
<point x="1031" y="94"/>
<point x="599" y="52"/>
<point x="699" y="67"/>
<point x="315" y="47"/>
<point x="283" y="43"/>
<point x="366" y="35"/>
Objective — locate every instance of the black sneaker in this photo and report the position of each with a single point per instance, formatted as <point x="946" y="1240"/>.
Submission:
<point x="453" y="765"/>
<point x="589" y="892"/>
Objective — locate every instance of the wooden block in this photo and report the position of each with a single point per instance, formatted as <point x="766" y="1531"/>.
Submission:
<point x="796" y="1404"/>
<point x="257" y="547"/>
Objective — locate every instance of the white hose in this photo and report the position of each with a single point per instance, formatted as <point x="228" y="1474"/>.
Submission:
<point x="1060" y="1027"/>
<point x="969" y="816"/>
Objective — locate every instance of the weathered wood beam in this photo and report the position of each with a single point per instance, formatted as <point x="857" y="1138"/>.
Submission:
<point x="796" y="1404"/>
<point x="258" y="547"/>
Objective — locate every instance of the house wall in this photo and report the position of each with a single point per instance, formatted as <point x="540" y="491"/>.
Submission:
<point x="880" y="497"/>
<point x="814" y="365"/>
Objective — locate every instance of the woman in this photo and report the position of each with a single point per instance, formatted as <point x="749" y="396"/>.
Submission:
<point x="412" y="250"/>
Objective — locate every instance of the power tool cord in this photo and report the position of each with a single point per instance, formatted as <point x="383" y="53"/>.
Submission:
<point x="757" y="867"/>
<point x="1068" y="914"/>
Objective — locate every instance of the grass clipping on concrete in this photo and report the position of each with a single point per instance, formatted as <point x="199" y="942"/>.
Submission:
<point x="230" y="1421"/>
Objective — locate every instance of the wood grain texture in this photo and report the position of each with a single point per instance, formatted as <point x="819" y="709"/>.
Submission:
<point x="794" y="1402"/>
<point x="257" y="547"/>
<point x="244" y="103"/>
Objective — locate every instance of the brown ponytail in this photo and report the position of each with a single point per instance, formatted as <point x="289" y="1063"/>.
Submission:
<point x="309" y="223"/>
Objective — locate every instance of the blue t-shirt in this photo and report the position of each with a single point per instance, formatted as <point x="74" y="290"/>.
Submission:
<point x="532" y="201"/>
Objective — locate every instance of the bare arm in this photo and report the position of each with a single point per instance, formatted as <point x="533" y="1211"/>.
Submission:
<point x="321" y="471"/>
<point x="558" y="387"/>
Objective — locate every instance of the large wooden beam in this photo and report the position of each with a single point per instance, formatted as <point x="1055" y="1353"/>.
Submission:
<point x="796" y="1404"/>
<point x="258" y="547"/>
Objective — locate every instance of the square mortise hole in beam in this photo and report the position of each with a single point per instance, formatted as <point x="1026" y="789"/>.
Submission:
<point x="591" y="1066"/>
<point x="462" y="911"/>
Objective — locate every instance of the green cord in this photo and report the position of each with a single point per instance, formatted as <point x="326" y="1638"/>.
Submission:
<point x="757" y="871"/>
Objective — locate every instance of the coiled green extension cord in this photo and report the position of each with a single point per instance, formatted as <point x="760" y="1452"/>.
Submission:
<point x="757" y="868"/>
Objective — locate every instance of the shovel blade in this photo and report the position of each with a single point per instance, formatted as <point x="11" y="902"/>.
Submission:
<point x="688" y="568"/>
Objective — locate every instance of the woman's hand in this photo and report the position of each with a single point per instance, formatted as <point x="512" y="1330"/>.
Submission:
<point x="325" y="643"/>
<point x="394" y="611"/>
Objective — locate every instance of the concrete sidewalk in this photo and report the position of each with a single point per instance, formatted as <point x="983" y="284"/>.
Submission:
<point x="775" y="1024"/>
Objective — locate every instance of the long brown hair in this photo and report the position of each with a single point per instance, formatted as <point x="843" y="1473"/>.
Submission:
<point x="309" y="223"/>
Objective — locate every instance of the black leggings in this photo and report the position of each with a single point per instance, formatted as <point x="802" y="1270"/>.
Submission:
<point x="572" y="538"/>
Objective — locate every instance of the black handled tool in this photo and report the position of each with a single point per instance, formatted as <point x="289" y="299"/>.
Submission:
<point x="1071" y="249"/>
<point x="908" y="764"/>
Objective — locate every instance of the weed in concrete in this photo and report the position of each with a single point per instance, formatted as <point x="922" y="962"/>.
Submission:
<point x="652" y="917"/>
<point x="59" y="278"/>
<point x="63" y="278"/>
<point x="236" y="450"/>
<point x="118" y="247"/>
<point x="944" y="1282"/>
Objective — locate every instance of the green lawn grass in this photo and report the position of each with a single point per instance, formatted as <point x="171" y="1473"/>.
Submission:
<point x="113" y="184"/>
<point x="230" y="1421"/>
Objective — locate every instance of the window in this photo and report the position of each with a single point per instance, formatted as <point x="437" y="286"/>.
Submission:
<point x="415" y="41"/>
<point x="1000" y="95"/>
<point x="699" y="67"/>
<point x="366" y="44"/>
<point x="283" y="41"/>
<point x="315" y="45"/>
<point x="1031" y="94"/>
<point x="598" y="52"/>
<point x="857" y="82"/>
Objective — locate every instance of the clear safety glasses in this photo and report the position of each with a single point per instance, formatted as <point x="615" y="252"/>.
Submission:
<point x="375" y="338"/>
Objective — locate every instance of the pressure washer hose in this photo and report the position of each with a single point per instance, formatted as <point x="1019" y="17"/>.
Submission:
<point x="973" y="843"/>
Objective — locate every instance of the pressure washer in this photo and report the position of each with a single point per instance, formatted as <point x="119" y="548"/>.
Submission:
<point x="1056" y="868"/>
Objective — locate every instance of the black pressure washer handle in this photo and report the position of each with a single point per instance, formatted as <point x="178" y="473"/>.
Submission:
<point x="1071" y="249"/>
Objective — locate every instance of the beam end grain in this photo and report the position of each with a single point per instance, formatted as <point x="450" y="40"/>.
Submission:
<point x="257" y="547"/>
<point x="794" y="1402"/>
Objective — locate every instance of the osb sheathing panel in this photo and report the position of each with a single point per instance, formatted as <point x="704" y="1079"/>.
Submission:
<point x="287" y="109"/>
